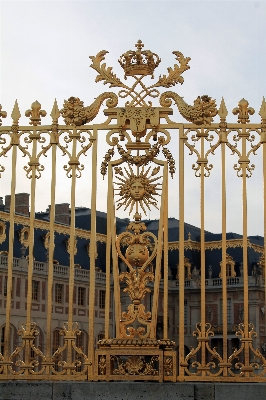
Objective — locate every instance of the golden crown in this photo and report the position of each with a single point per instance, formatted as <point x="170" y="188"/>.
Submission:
<point x="139" y="62"/>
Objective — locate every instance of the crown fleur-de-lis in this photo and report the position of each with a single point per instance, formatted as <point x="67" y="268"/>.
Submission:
<point x="3" y="114"/>
<point x="139" y="62"/>
<point x="35" y="113"/>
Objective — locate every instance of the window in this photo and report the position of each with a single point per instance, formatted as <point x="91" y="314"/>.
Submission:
<point x="185" y="312"/>
<point x="35" y="290"/>
<point x="58" y="293"/>
<point x="81" y="296"/>
<point x="80" y="341"/>
<point x="56" y="345"/>
<point x="56" y="339"/>
<point x="151" y="300"/>
<point x="5" y="286"/>
<point x="102" y="299"/>
<point x="2" y="340"/>
<point x="228" y="270"/>
<point x="229" y="311"/>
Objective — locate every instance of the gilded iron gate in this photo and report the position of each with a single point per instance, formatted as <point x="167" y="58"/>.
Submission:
<point x="137" y="174"/>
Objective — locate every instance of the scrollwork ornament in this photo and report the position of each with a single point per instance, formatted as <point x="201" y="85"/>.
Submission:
<point x="203" y="345"/>
<point x="28" y="335"/>
<point x="134" y="365"/>
<point x="139" y="64"/>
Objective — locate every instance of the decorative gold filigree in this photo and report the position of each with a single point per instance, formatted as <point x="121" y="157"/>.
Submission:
<point x="105" y="74"/>
<point x="75" y="358"/>
<point x="140" y="62"/>
<point x="45" y="226"/>
<point x="29" y="365"/>
<point x="243" y="111"/>
<point x="137" y="189"/>
<point x="247" y="367"/>
<point x="35" y="113"/>
<point x="24" y="236"/>
<point x="3" y="114"/>
<point x="209" y="368"/>
<point x="174" y="74"/>
<point x="168" y="366"/>
<point x="74" y="112"/>
<point x="102" y="365"/>
<point x="2" y="232"/>
<point x="137" y="281"/>
<point x="230" y="266"/>
<point x="69" y="248"/>
<point x="134" y="365"/>
<point x="137" y="259"/>
<point x="46" y="240"/>
<point x="201" y="113"/>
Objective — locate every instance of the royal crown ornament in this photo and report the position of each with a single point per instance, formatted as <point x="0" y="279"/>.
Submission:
<point x="139" y="62"/>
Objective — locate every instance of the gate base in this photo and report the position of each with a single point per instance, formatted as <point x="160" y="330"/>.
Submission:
<point x="135" y="360"/>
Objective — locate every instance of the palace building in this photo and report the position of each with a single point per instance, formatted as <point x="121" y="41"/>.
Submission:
<point x="60" y="292"/>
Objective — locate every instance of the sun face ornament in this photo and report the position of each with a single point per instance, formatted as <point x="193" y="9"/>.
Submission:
<point x="137" y="189"/>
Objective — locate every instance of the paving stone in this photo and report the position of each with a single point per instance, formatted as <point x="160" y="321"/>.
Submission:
<point x="131" y="391"/>
<point x="240" y="391"/>
<point x="62" y="390"/>
<point x="204" y="391"/>
<point x="22" y="390"/>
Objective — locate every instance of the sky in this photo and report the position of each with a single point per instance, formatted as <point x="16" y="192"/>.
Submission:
<point x="45" y="49"/>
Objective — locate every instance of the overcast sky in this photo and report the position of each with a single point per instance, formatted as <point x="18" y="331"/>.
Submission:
<point x="45" y="49"/>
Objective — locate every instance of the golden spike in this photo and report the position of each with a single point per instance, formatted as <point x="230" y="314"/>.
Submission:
<point x="222" y="110"/>
<point x="15" y="113"/>
<point x="55" y="113"/>
<point x="262" y="112"/>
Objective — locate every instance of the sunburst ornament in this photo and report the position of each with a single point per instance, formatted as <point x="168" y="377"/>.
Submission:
<point x="137" y="189"/>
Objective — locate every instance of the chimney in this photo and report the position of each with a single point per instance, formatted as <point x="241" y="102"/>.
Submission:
<point x="62" y="213"/>
<point x="21" y="203"/>
<point x="2" y="206"/>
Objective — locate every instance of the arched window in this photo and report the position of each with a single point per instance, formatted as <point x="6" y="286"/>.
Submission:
<point x="57" y="340"/>
<point x="2" y="340"/>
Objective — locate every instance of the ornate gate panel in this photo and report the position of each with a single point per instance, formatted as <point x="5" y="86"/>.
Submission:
<point x="137" y="165"/>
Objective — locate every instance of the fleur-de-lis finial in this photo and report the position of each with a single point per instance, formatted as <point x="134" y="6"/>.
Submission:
<point x="35" y="113"/>
<point x="3" y="114"/>
<point x="243" y="111"/>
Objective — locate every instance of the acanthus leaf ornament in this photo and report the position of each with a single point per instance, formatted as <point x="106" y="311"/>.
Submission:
<point x="174" y="74"/>
<point x="105" y="74"/>
<point x="139" y="64"/>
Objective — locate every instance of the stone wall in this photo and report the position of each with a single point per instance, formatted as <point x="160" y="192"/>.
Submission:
<point x="26" y="390"/>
